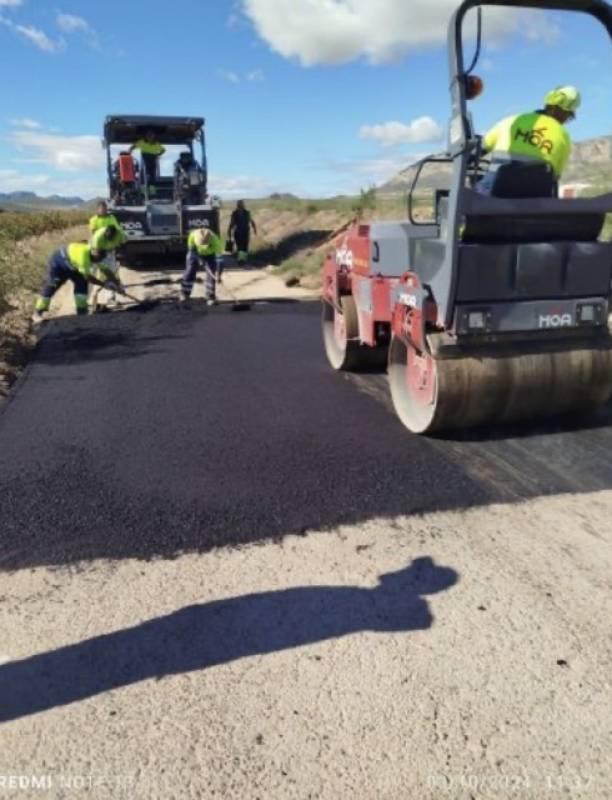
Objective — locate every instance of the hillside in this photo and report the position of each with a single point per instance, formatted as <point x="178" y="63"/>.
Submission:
<point x="30" y="200"/>
<point x="591" y="163"/>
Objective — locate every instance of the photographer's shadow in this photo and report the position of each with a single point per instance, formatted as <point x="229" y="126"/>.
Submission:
<point x="202" y="636"/>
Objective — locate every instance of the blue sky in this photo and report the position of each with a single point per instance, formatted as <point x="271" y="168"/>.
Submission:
<point x="316" y="97"/>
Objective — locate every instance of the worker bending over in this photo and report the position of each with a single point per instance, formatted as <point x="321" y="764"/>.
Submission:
<point x="104" y="220"/>
<point x="75" y="263"/>
<point x="204" y="249"/>
<point x="536" y="136"/>
<point x="239" y="230"/>
<point x="150" y="150"/>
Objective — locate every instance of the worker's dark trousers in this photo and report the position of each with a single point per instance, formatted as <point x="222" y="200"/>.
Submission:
<point x="194" y="262"/>
<point x="241" y="238"/>
<point x="59" y="270"/>
<point x="150" y="166"/>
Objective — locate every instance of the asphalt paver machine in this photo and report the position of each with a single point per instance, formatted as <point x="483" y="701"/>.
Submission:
<point x="158" y="211"/>
<point x="496" y="309"/>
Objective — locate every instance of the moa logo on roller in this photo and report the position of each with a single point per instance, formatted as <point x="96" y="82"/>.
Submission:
<point x="555" y="321"/>
<point x="344" y="256"/>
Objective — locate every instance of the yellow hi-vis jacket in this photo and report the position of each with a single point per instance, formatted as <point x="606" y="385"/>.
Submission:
<point x="150" y="148"/>
<point x="99" y="221"/>
<point x="213" y="247"/>
<point x="534" y="135"/>
<point x="79" y="257"/>
<point x="99" y="240"/>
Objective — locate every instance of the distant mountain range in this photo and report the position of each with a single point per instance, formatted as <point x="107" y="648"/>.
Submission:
<point x="32" y="200"/>
<point x="591" y="164"/>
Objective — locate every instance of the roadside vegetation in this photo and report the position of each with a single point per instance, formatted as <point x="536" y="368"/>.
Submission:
<point x="25" y="241"/>
<point x="327" y="217"/>
<point x="21" y="225"/>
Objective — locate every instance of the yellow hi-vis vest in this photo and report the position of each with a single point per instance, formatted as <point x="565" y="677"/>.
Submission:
<point x="79" y="257"/>
<point x="99" y="240"/>
<point x="99" y="221"/>
<point x="149" y="148"/>
<point x="534" y="135"/>
<point x="213" y="247"/>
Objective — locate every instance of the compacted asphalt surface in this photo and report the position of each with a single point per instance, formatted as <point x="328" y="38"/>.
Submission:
<point x="143" y="434"/>
<point x="150" y="434"/>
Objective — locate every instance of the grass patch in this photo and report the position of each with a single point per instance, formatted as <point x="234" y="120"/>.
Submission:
<point x="22" y="225"/>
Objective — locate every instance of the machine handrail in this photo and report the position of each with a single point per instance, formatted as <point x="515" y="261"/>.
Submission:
<point x="442" y="158"/>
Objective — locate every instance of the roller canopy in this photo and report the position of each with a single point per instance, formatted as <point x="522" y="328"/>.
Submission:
<point x="126" y="129"/>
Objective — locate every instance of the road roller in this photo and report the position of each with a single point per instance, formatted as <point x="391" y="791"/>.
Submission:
<point x="496" y="308"/>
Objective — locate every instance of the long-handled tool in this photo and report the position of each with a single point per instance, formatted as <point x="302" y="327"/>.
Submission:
<point x="237" y="305"/>
<point x="141" y="305"/>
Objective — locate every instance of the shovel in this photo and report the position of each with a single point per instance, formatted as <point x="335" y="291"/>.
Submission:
<point x="237" y="305"/>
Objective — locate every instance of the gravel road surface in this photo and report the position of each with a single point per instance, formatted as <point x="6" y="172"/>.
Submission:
<point x="228" y="572"/>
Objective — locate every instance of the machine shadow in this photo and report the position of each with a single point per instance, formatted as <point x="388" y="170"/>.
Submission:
<point x="201" y="636"/>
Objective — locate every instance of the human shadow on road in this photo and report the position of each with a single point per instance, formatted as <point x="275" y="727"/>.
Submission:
<point x="219" y="632"/>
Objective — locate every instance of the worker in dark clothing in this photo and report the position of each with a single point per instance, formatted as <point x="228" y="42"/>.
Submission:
<point x="188" y="179"/>
<point x="239" y="230"/>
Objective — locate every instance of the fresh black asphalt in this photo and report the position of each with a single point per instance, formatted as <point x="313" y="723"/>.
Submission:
<point x="154" y="434"/>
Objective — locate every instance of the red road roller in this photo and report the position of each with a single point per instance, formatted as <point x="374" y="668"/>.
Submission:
<point x="497" y="309"/>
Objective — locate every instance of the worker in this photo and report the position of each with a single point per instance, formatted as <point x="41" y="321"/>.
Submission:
<point x="239" y="230"/>
<point x="188" y="178"/>
<point x="536" y="136"/>
<point x="73" y="263"/>
<point x="114" y="238"/>
<point x="150" y="150"/>
<point x="204" y="249"/>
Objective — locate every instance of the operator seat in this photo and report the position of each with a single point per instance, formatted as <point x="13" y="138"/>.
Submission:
<point x="521" y="179"/>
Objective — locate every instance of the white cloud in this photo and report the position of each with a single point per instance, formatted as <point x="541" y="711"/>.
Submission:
<point x="236" y="186"/>
<point x="230" y="77"/>
<point x="336" y="31"/>
<point x="423" y="129"/>
<point x="26" y="122"/>
<point x="10" y="3"/>
<point x="70" y="23"/>
<point x="47" y="184"/>
<point x="235" y="77"/>
<point x="35" y="35"/>
<point x="13" y="181"/>
<point x="67" y="153"/>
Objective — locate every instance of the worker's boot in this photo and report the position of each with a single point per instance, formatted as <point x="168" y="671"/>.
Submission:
<point x="211" y="301"/>
<point x="184" y="300"/>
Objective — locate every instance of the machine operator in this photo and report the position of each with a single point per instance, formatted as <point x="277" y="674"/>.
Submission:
<point x="539" y="136"/>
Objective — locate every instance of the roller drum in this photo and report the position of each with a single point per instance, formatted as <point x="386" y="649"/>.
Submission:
<point x="432" y="394"/>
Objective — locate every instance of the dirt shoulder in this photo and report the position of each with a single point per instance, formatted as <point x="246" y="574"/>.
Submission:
<point x="17" y="339"/>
